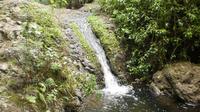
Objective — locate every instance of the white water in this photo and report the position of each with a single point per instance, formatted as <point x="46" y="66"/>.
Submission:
<point x="112" y="87"/>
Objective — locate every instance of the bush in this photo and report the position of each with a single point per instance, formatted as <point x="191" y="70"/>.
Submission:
<point x="156" y="32"/>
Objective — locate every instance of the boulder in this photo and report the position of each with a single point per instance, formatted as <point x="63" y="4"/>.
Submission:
<point x="180" y="80"/>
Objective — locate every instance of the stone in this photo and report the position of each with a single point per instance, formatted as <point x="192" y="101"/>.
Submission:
<point x="3" y="67"/>
<point x="90" y="69"/>
<point x="7" y="106"/>
<point x="1" y="36"/>
<point x="79" y="94"/>
<point x="180" y="80"/>
<point x="7" y="19"/>
<point x="18" y="22"/>
<point x="2" y="89"/>
<point x="72" y="46"/>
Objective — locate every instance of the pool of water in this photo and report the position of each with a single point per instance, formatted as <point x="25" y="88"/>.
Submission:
<point x="138" y="100"/>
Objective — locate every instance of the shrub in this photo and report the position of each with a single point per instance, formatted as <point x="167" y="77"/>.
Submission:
<point x="156" y="32"/>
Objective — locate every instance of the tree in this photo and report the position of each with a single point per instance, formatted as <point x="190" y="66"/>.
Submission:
<point x="156" y="32"/>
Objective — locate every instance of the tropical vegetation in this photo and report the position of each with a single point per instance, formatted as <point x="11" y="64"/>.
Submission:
<point x="156" y="32"/>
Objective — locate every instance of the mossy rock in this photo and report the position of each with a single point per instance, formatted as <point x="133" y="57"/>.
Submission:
<point x="111" y="45"/>
<point x="180" y="80"/>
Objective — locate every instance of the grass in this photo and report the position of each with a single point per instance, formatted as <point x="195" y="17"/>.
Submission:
<point x="108" y="40"/>
<point x="90" y="53"/>
<point x="43" y="60"/>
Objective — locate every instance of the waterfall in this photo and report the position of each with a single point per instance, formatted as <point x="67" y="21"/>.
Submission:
<point x="112" y="87"/>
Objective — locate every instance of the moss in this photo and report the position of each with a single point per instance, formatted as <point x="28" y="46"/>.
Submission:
<point x="88" y="84"/>
<point x="49" y="81"/>
<point x="90" y="53"/>
<point x="109" y="42"/>
<point x="46" y="79"/>
<point x="41" y="28"/>
<point x="55" y="3"/>
<point x="44" y="42"/>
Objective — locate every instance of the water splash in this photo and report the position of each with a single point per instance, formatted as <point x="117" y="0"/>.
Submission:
<point x="112" y="87"/>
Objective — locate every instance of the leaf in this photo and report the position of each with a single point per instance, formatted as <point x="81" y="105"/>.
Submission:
<point x="31" y="99"/>
<point x="42" y="87"/>
<point x="42" y="98"/>
<point x="50" y="82"/>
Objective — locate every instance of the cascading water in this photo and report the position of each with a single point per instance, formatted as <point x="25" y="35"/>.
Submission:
<point x="111" y="83"/>
<point x="116" y="98"/>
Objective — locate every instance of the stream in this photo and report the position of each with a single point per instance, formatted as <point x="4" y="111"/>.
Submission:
<point x="122" y="98"/>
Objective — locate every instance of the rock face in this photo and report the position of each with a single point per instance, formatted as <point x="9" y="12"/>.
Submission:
<point x="15" y="80"/>
<point x="180" y="80"/>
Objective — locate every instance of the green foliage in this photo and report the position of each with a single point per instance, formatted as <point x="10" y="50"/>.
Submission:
<point x="59" y="3"/>
<point x="109" y="42"/>
<point x="90" y="53"/>
<point x="43" y="41"/>
<point x="31" y="99"/>
<point x="42" y="59"/>
<point x="41" y="28"/>
<point x="56" y="67"/>
<point x="106" y="37"/>
<point x="156" y="32"/>
<point x="55" y="3"/>
<point x="88" y="83"/>
<point x="65" y="3"/>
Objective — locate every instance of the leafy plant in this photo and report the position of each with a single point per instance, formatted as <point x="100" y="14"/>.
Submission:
<point x="59" y="3"/>
<point x="109" y="42"/>
<point x="156" y="32"/>
<point x="49" y="79"/>
<point x="31" y="99"/>
<point x="88" y="83"/>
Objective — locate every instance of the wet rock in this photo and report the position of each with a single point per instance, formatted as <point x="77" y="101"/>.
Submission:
<point x="76" y="102"/>
<point x="90" y="69"/>
<point x="79" y="94"/>
<point x="85" y="62"/>
<point x="180" y="80"/>
<point x="87" y="65"/>
<point x="73" y="105"/>
<point x="18" y="22"/>
<point x="1" y="36"/>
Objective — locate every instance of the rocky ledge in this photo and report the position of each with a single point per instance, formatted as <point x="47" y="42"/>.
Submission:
<point x="180" y="80"/>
